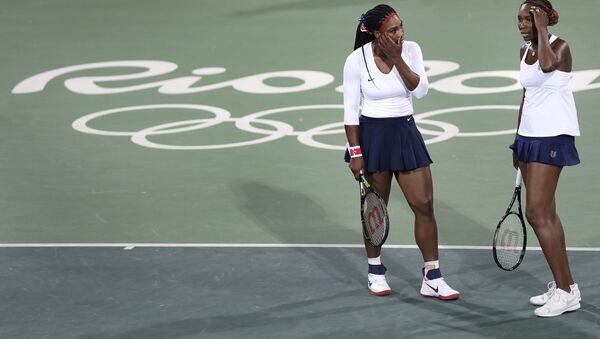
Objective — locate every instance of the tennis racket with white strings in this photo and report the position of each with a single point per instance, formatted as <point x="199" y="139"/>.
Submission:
<point x="510" y="238"/>
<point x="373" y="213"/>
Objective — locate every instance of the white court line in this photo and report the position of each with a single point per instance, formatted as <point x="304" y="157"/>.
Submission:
<point x="130" y="246"/>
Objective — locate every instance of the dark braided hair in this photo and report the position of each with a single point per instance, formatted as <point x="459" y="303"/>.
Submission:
<point x="370" y="22"/>
<point x="545" y="6"/>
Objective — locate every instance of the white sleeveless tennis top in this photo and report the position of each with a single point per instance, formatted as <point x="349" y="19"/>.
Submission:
<point x="549" y="106"/>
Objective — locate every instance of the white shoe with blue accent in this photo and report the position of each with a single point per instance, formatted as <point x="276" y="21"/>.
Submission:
<point x="436" y="287"/>
<point x="376" y="281"/>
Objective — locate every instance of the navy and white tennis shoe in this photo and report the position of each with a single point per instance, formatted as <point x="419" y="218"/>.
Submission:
<point x="376" y="281"/>
<point x="435" y="286"/>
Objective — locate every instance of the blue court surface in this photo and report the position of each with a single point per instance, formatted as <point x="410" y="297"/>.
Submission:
<point x="174" y="170"/>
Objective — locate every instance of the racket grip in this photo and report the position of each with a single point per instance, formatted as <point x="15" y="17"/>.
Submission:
<point x="519" y="179"/>
<point x="363" y="181"/>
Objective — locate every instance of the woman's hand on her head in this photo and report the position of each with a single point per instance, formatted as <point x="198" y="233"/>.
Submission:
<point x="540" y="17"/>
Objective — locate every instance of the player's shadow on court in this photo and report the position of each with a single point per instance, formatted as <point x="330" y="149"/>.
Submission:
<point x="294" y="218"/>
<point x="455" y="227"/>
<point x="290" y="216"/>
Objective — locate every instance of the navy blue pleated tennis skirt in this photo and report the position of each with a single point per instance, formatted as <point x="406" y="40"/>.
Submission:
<point x="391" y="144"/>
<point x="558" y="150"/>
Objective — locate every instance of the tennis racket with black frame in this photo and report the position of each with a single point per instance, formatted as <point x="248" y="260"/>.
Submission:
<point x="373" y="213"/>
<point x="510" y="238"/>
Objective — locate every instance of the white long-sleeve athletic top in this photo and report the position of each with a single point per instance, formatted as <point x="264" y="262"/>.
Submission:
<point x="381" y="95"/>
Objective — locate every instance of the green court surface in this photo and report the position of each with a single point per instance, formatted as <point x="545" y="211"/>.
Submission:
<point x="219" y="123"/>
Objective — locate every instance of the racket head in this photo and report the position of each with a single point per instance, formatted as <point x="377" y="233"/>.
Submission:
<point x="510" y="241"/>
<point x="374" y="215"/>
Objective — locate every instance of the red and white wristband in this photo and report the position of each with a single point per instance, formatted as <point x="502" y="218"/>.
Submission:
<point x="354" y="151"/>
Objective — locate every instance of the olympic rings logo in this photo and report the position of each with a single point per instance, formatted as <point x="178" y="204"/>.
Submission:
<point x="260" y="123"/>
<point x="277" y="130"/>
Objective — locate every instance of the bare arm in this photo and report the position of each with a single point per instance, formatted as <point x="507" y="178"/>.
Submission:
<point x="521" y="53"/>
<point x="515" y="160"/>
<point x="520" y="111"/>
<point x="514" y="157"/>
<point x="550" y="57"/>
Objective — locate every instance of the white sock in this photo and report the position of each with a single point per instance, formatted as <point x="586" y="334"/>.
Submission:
<point x="431" y="265"/>
<point x="374" y="261"/>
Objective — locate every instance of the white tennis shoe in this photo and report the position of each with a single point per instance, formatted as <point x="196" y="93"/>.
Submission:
<point x="540" y="300"/>
<point x="559" y="302"/>
<point x="378" y="285"/>
<point x="438" y="288"/>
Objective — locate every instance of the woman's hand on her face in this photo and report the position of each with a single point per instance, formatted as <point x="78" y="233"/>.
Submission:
<point x="357" y="166"/>
<point x="391" y="48"/>
<point x="540" y="17"/>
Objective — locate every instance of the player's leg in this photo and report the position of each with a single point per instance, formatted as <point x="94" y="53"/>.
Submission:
<point x="418" y="190"/>
<point x="541" y="181"/>
<point x="381" y="183"/>
<point x="417" y="186"/>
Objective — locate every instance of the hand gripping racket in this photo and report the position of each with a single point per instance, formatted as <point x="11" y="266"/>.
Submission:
<point x="510" y="239"/>
<point x="373" y="213"/>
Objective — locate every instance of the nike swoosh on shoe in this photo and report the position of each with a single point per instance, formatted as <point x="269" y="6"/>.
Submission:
<point x="435" y="289"/>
